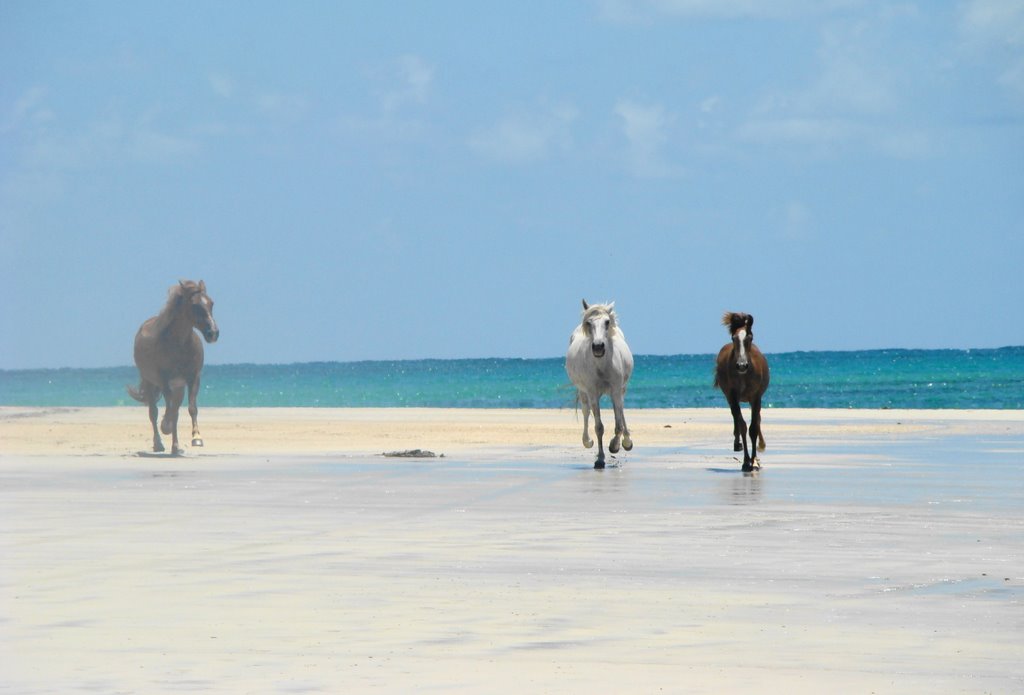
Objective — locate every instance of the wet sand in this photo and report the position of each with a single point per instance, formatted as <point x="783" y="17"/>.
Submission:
<point x="877" y="551"/>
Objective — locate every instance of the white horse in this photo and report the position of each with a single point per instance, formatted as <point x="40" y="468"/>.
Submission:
<point x="599" y="362"/>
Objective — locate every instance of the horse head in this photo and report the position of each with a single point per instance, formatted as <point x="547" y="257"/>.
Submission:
<point x="201" y="307"/>
<point x="741" y="329"/>
<point x="598" y="323"/>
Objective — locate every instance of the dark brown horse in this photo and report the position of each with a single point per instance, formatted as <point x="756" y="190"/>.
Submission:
<point x="742" y="374"/>
<point x="169" y="356"/>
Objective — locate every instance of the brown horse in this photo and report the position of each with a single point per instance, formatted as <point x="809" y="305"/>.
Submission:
<point x="169" y="356"/>
<point x="742" y="374"/>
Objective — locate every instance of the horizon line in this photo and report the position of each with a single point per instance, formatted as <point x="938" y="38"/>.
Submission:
<point x="523" y="359"/>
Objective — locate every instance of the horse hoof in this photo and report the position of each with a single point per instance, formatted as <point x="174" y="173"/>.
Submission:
<point x="197" y="442"/>
<point x="627" y="444"/>
<point x="748" y="467"/>
<point x="737" y="447"/>
<point x="599" y="464"/>
<point x="158" y="447"/>
<point x="589" y="443"/>
<point x="613" y="446"/>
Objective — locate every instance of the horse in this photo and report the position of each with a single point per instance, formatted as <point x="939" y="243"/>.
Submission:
<point x="742" y="374"/>
<point x="169" y="356"/>
<point x="599" y="362"/>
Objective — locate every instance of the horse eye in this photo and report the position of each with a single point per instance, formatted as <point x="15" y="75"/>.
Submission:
<point x="607" y="323"/>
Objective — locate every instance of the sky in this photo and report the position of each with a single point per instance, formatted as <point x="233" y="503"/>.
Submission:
<point x="407" y="180"/>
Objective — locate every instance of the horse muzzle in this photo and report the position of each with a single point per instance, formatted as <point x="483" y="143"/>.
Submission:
<point x="211" y="335"/>
<point x="597" y="349"/>
<point x="742" y="367"/>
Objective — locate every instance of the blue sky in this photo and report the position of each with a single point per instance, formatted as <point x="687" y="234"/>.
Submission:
<point x="368" y="180"/>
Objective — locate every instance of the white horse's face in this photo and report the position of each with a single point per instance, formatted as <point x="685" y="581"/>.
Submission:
<point x="596" y="328"/>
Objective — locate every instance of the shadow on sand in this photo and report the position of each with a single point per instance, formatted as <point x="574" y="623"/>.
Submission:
<point x="160" y="454"/>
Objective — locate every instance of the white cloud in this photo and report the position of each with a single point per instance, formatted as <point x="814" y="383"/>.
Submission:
<point x="281" y="106"/>
<point x="29" y="109"/>
<point x="1000" y="21"/>
<point x="526" y="138"/>
<point x="411" y="84"/>
<point x="385" y="127"/>
<point x="855" y="99"/>
<point x="151" y="145"/>
<point x="826" y="135"/>
<point x="797" y="130"/>
<point x="855" y="75"/>
<point x="994" y="29"/>
<point x="797" y="222"/>
<point x="278" y="105"/>
<point x="1013" y="77"/>
<point x="401" y="89"/>
<point x="645" y="127"/>
<point x="105" y="142"/>
<point x="711" y="104"/>
<point x="903" y="144"/>
<point x="222" y="85"/>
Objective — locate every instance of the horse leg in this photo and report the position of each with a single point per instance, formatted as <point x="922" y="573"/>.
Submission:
<point x="193" y="411"/>
<point x="599" y="429"/>
<point x="152" y="395"/>
<point x="613" y="445"/>
<point x="621" y="430"/>
<point x="756" y="437"/>
<point x="174" y="394"/>
<point x="737" y="436"/>
<point x="739" y="428"/>
<point x="585" y="403"/>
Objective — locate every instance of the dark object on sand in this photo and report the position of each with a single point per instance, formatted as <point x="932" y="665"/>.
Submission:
<point x="412" y="454"/>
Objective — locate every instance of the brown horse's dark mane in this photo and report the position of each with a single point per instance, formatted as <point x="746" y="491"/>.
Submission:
<point x="736" y="320"/>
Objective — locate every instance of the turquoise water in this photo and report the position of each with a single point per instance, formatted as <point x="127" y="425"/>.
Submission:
<point x="861" y="379"/>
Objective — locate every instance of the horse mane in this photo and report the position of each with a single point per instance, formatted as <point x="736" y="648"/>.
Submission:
<point x="175" y="293"/>
<point x="593" y="310"/>
<point x="736" y="320"/>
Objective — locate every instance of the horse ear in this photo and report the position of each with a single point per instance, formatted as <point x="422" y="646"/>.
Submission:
<point x="202" y="286"/>
<point x="585" y="305"/>
<point x="750" y="321"/>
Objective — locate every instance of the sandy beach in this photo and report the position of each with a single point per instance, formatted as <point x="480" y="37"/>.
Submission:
<point x="877" y="551"/>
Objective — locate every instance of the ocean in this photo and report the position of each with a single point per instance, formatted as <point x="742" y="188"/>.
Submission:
<point x="856" y="379"/>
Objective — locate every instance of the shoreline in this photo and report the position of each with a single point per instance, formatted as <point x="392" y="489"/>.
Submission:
<point x="125" y="430"/>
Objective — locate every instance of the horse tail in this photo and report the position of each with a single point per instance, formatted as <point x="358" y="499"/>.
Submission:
<point x="136" y="392"/>
<point x="760" y="441"/>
